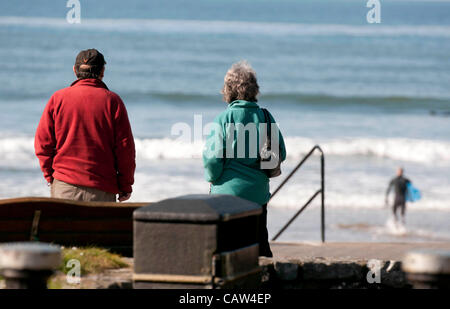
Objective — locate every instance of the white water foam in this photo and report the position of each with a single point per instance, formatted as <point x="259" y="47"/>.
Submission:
<point x="166" y="168"/>
<point x="234" y="27"/>
<point x="19" y="151"/>
<point x="395" y="227"/>
<point x="391" y="230"/>
<point x="409" y="150"/>
<point x="404" y="149"/>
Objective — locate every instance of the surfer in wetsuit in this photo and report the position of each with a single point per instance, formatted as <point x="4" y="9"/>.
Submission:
<point x="400" y="184"/>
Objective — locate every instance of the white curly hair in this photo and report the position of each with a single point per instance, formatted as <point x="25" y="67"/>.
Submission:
<point x="240" y="83"/>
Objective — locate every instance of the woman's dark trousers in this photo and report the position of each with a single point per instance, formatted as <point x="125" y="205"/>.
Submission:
<point x="264" y="247"/>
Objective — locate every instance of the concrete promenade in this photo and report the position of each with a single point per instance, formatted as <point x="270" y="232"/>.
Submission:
<point x="336" y="251"/>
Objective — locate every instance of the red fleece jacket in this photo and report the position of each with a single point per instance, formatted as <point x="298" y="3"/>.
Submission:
<point x="84" y="138"/>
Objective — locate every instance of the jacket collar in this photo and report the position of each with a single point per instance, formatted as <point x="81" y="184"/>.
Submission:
<point x="93" y="82"/>
<point x="243" y="103"/>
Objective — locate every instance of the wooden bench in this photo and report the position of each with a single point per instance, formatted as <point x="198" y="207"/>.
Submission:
<point x="69" y="223"/>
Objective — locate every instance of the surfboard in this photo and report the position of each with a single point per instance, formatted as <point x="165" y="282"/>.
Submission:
<point x="412" y="193"/>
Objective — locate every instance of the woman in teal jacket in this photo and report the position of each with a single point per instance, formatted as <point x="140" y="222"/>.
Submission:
<point x="231" y="155"/>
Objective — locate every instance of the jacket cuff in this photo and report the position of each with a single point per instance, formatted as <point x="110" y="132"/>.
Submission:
<point x="49" y="179"/>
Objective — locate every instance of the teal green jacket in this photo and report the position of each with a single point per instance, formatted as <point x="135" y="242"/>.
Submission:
<point x="228" y="168"/>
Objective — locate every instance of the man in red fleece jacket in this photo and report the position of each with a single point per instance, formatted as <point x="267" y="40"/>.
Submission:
<point x="84" y="141"/>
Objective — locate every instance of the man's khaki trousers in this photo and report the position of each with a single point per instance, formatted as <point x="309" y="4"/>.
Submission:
<point x="61" y="189"/>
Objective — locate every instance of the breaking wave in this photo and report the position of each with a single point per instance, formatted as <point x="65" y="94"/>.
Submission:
<point x="18" y="152"/>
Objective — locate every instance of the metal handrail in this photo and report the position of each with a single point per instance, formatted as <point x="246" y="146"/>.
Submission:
<point x="321" y="191"/>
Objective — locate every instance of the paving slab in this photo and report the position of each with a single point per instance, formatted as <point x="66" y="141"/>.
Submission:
<point x="349" y="251"/>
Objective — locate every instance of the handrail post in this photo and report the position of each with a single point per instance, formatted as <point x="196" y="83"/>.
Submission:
<point x="321" y="191"/>
<point x="322" y="173"/>
<point x="295" y="216"/>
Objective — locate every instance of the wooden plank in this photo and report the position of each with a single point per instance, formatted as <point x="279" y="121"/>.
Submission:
<point x="77" y="225"/>
<point x="76" y="239"/>
<point x="22" y="200"/>
<point x="14" y="236"/>
<point x="69" y="223"/>
<point x="25" y="207"/>
<point x="88" y="239"/>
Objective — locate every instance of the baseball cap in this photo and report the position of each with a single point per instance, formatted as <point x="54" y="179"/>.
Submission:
<point x="91" y="58"/>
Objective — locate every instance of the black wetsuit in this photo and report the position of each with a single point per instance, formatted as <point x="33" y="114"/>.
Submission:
<point x="400" y="186"/>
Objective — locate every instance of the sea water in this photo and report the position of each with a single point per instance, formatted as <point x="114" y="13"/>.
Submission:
<point x="374" y="96"/>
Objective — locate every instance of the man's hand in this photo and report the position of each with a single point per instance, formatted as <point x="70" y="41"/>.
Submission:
<point x="124" y="196"/>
